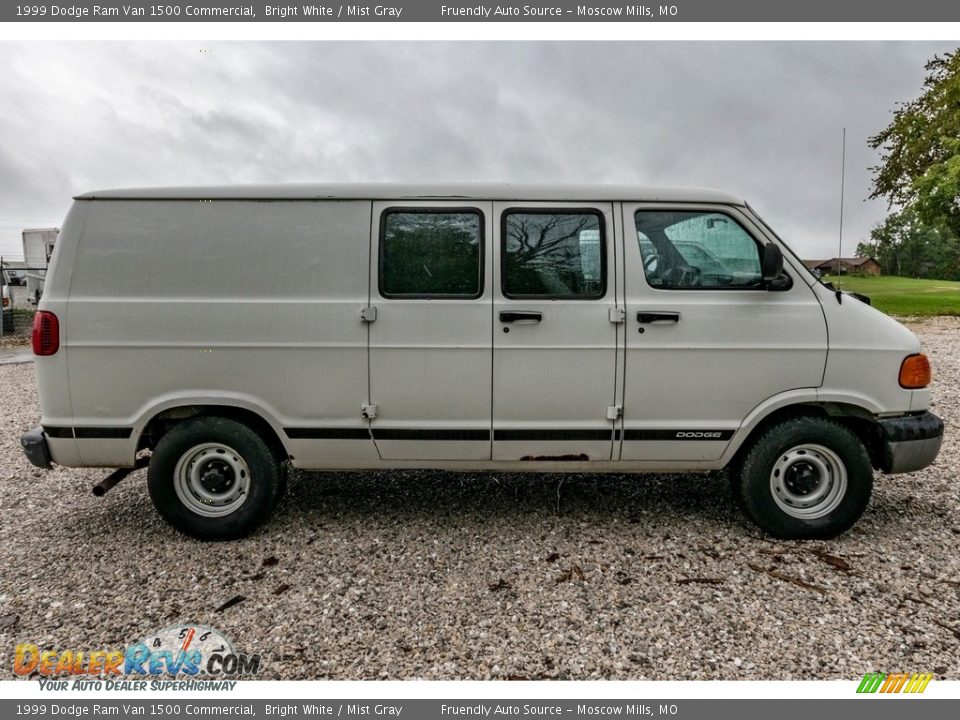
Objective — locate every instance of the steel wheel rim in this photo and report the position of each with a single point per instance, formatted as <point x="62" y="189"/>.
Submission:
<point x="808" y="481"/>
<point x="212" y="479"/>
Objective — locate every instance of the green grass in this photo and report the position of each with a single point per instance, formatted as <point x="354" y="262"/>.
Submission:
<point x="905" y="296"/>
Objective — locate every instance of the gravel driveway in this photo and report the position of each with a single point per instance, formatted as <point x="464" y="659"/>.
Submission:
<point x="473" y="576"/>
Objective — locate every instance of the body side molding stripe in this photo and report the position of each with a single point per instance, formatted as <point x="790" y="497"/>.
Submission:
<point x="88" y="433"/>
<point x="708" y="435"/>
<point x="501" y="434"/>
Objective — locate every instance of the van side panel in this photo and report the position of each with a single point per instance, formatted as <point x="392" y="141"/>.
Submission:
<point x="247" y="303"/>
<point x="55" y="408"/>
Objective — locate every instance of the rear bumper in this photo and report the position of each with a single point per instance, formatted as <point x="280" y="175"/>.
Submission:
<point x="910" y="442"/>
<point x="35" y="447"/>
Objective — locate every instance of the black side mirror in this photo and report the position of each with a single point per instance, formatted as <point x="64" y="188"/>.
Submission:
<point x="772" y="262"/>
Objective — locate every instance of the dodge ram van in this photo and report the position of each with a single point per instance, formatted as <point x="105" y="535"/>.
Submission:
<point x="219" y="335"/>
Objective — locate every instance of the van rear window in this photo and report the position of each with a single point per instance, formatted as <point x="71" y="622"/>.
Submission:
<point x="428" y="253"/>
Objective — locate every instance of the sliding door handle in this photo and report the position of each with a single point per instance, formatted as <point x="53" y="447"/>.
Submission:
<point x="521" y="316"/>
<point x="658" y="317"/>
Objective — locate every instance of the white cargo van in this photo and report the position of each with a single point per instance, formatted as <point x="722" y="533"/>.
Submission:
<point x="231" y="330"/>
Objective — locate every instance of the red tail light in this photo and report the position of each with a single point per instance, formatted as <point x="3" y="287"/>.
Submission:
<point x="46" y="333"/>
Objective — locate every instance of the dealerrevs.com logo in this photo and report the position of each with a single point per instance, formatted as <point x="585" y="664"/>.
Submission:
<point x="910" y="683"/>
<point x="179" y="651"/>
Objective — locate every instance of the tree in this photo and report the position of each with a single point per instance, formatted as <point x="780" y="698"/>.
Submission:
<point x="904" y="245"/>
<point x="920" y="149"/>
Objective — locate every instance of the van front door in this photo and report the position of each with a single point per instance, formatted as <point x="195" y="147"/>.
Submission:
<point x="430" y="346"/>
<point x="707" y="342"/>
<point x="554" y="358"/>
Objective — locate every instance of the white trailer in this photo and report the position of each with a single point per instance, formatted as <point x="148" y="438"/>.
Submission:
<point x="37" y="249"/>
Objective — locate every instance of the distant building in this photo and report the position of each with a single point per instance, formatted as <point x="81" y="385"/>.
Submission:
<point x="848" y="266"/>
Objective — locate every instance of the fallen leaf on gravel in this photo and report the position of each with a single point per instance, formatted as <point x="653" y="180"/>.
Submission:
<point x="517" y="677"/>
<point x="270" y="561"/>
<point x="500" y="584"/>
<point x="594" y="542"/>
<point x="552" y="557"/>
<point x="833" y="560"/>
<point x="258" y="576"/>
<point x="235" y="600"/>
<point x="8" y="621"/>
<point x="704" y="580"/>
<point x="788" y="578"/>
<point x="282" y="589"/>
<point x="573" y="571"/>
<point x="623" y="578"/>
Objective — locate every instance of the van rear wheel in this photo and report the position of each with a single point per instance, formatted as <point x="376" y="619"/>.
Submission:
<point x="213" y="478"/>
<point x="807" y="477"/>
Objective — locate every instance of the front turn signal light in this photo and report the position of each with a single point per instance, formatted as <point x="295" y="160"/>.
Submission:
<point x="915" y="372"/>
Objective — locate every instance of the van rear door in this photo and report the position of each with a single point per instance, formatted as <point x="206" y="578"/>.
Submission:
<point x="430" y="346"/>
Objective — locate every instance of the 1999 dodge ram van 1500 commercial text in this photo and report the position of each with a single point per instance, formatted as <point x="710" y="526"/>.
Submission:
<point x="591" y="329"/>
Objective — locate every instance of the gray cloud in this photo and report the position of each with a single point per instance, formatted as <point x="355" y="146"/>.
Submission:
<point x="761" y="120"/>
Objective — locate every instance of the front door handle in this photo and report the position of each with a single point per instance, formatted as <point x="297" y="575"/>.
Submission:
<point x="521" y="316"/>
<point x="658" y="317"/>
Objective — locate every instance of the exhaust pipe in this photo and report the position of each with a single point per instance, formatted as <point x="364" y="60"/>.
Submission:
<point x="111" y="480"/>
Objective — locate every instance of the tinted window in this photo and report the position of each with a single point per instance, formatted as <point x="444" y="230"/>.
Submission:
<point x="431" y="253"/>
<point x="695" y="249"/>
<point x="553" y="254"/>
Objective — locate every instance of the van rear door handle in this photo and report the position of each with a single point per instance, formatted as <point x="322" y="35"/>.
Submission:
<point x="658" y="317"/>
<point x="521" y="316"/>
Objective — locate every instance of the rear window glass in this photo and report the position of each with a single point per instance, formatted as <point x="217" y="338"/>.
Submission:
<point x="431" y="253"/>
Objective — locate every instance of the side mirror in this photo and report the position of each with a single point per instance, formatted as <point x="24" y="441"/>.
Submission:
<point x="772" y="262"/>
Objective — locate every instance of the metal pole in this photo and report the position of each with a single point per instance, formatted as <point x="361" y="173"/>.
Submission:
<point x="843" y="168"/>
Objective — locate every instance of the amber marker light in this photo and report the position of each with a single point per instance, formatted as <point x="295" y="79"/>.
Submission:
<point x="915" y="372"/>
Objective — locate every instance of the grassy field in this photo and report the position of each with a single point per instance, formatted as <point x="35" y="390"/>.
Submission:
<point x="905" y="296"/>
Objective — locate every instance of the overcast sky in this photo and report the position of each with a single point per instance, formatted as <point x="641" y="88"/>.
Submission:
<point x="760" y="120"/>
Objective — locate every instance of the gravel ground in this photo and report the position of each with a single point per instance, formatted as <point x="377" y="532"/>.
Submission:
<point x="433" y="575"/>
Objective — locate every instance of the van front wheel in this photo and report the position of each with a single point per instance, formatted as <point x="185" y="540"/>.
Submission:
<point x="213" y="478"/>
<point x="806" y="477"/>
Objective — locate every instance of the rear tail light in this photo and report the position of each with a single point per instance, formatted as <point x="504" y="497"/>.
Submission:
<point x="915" y="372"/>
<point x="46" y="333"/>
<point x="6" y="301"/>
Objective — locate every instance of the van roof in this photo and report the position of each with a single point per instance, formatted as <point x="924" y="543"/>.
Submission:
<point x="391" y="191"/>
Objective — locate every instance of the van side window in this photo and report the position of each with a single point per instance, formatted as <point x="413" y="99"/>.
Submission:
<point x="556" y="254"/>
<point x="428" y="253"/>
<point x="691" y="250"/>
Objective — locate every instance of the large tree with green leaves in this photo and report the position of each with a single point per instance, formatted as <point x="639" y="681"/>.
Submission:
<point x="906" y="246"/>
<point x="920" y="149"/>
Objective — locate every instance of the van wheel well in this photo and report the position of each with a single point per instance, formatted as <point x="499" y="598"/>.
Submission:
<point x="856" y="418"/>
<point x="161" y="423"/>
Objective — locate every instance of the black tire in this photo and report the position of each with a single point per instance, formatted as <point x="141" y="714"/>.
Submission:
<point x="8" y="322"/>
<point x="841" y="469"/>
<point x="226" y="472"/>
